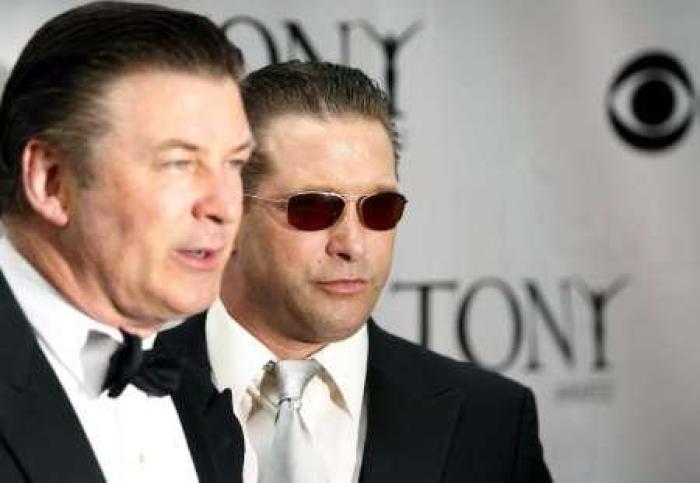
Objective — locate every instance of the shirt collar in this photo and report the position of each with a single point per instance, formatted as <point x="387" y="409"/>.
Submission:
<point x="346" y="362"/>
<point x="238" y="359"/>
<point x="62" y="327"/>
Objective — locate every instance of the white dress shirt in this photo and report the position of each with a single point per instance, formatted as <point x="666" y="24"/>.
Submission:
<point x="135" y="438"/>
<point x="333" y="407"/>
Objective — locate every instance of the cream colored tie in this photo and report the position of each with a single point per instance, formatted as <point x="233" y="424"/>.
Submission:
<point x="292" y="457"/>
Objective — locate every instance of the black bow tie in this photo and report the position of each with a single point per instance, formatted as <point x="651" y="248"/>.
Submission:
<point x="155" y="373"/>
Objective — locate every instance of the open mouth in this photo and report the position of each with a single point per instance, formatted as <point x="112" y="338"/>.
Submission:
<point x="200" y="258"/>
<point x="201" y="254"/>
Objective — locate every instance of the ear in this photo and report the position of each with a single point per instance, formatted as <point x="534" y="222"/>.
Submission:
<point x="45" y="179"/>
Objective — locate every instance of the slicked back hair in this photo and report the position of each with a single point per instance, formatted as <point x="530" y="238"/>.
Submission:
<point x="55" y="89"/>
<point x="315" y="89"/>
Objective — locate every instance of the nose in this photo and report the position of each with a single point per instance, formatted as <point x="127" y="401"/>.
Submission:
<point x="347" y="237"/>
<point x="220" y="198"/>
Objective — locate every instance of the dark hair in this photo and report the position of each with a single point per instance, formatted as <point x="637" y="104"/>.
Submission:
<point x="316" y="89"/>
<point x="53" y="92"/>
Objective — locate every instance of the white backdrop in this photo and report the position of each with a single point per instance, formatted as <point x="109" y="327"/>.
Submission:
<point x="527" y="210"/>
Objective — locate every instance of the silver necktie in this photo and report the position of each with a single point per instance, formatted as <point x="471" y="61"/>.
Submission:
<point x="292" y="457"/>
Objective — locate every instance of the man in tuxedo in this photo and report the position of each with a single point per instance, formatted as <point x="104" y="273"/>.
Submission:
<point x="122" y="136"/>
<point x="323" y="394"/>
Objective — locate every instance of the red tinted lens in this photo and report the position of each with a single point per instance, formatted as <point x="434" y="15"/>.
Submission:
<point x="314" y="211"/>
<point x="381" y="211"/>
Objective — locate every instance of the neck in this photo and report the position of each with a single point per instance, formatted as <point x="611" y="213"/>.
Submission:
<point x="40" y="248"/>
<point x="281" y="345"/>
<point x="284" y="347"/>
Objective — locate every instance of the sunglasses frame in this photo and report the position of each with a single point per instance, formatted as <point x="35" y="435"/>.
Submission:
<point x="357" y="200"/>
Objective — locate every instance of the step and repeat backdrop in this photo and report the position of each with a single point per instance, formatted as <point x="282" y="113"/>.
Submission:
<point x="552" y="163"/>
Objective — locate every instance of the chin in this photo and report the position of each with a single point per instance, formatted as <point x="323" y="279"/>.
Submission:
<point x="343" y="330"/>
<point x="187" y="305"/>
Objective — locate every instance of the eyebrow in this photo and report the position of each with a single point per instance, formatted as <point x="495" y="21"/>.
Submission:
<point x="174" y="143"/>
<point x="331" y="189"/>
<point x="247" y="145"/>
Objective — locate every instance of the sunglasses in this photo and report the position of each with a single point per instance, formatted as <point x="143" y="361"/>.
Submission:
<point x="315" y="210"/>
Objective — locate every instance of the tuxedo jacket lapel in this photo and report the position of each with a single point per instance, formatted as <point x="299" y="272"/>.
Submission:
<point x="37" y="422"/>
<point x="213" y="434"/>
<point x="409" y="423"/>
<point x="42" y="433"/>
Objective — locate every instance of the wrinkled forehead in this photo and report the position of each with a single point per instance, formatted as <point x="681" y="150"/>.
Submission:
<point x="346" y="154"/>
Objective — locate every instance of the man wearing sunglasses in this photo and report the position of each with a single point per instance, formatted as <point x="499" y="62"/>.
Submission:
<point x="324" y="394"/>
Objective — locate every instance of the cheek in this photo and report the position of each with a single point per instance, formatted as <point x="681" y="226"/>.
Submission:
<point x="141" y="227"/>
<point x="99" y="217"/>
<point x="382" y="249"/>
<point x="125" y="204"/>
<point x="285" y="247"/>
<point x="305" y="251"/>
<point x="267" y="250"/>
<point x="297" y="265"/>
<point x="160" y="218"/>
<point x="162" y="201"/>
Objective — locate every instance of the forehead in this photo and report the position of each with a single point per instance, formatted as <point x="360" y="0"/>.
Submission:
<point x="347" y="154"/>
<point x="153" y="105"/>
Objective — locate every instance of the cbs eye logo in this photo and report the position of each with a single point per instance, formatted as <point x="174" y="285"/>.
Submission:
<point x="650" y="102"/>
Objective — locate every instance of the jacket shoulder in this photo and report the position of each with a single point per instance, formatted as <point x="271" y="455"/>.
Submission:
<point x="437" y="372"/>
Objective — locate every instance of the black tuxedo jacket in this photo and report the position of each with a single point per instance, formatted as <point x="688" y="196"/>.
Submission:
<point x="431" y="419"/>
<point x="41" y="439"/>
